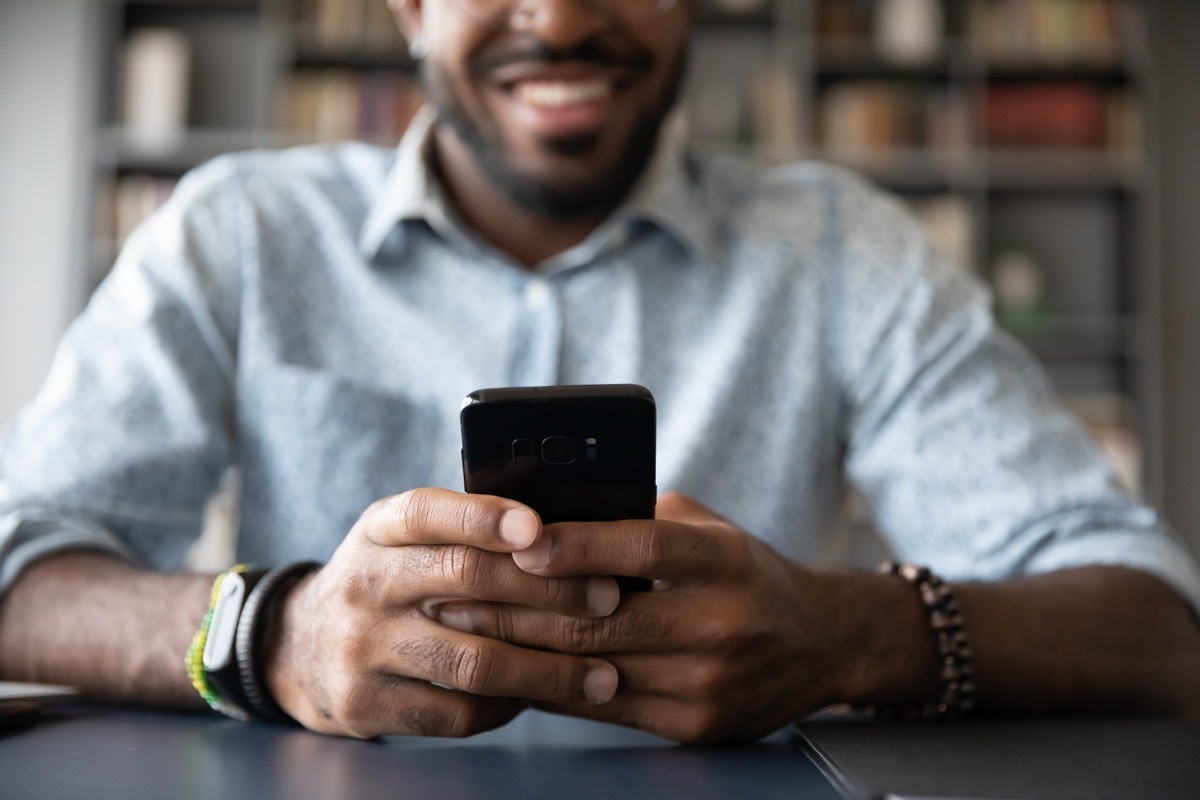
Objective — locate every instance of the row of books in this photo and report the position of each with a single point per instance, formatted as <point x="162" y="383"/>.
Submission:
<point x="1003" y="31"/>
<point x="950" y="225"/>
<point x="328" y="105"/>
<point x="1048" y="31"/>
<point x="865" y="117"/>
<point x="344" y="23"/>
<point x="125" y="203"/>
<point x="877" y="116"/>
<point x="1062" y="114"/>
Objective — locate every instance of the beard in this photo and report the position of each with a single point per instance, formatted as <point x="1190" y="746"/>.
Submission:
<point x="560" y="200"/>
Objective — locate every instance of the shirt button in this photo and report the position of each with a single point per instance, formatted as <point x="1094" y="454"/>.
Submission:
<point x="537" y="294"/>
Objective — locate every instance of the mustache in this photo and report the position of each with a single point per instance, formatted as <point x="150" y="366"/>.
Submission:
<point x="530" y="50"/>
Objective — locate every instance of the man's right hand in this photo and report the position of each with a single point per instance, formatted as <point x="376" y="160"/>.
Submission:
<point x="358" y="652"/>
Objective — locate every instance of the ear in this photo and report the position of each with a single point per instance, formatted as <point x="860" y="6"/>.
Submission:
<point x="409" y="18"/>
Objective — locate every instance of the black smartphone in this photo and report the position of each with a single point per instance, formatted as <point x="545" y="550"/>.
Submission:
<point x="571" y="453"/>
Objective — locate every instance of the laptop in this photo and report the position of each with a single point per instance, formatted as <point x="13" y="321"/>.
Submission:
<point x="21" y="702"/>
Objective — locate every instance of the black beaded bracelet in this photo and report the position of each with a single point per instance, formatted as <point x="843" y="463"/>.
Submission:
<point x="957" y="697"/>
<point x="251" y="626"/>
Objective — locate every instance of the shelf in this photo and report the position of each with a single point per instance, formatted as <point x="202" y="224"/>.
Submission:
<point x="156" y="10"/>
<point x="998" y="170"/>
<point x="382" y="53"/>
<point x="761" y="18"/>
<point x="909" y="169"/>
<point x="1111" y="72"/>
<point x="1081" y="338"/>
<point x="859" y="58"/>
<point x="123" y="153"/>
<point x="117" y="151"/>
<point x="854" y="57"/>
<point x="1062" y="170"/>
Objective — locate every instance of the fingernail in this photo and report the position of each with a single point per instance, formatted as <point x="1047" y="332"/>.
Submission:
<point x="518" y="527"/>
<point x="458" y="619"/>
<point x="603" y="595"/>
<point x="536" y="557"/>
<point x="600" y="684"/>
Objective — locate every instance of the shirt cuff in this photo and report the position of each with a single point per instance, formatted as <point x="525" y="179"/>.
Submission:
<point x="1157" y="553"/>
<point x="24" y="540"/>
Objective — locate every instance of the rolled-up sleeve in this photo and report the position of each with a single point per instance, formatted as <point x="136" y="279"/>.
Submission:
<point x="127" y="439"/>
<point x="967" y="458"/>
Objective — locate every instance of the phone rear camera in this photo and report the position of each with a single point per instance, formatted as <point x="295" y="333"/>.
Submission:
<point x="523" y="451"/>
<point x="557" y="450"/>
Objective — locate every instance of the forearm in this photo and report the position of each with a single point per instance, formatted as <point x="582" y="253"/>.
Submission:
<point x="1087" y="640"/>
<point x="116" y="632"/>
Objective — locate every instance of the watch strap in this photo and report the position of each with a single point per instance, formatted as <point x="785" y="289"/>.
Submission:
<point x="254" y="622"/>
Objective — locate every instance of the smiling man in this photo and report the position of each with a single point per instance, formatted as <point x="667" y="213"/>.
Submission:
<point x="314" y="317"/>
<point x="551" y="113"/>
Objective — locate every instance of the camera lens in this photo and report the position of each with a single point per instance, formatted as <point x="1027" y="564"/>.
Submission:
<point x="557" y="450"/>
<point x="523" y="452"/>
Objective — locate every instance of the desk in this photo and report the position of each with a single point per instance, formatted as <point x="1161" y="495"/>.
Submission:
<point x="96" y="754"/>
<point x="1098" y="759"/>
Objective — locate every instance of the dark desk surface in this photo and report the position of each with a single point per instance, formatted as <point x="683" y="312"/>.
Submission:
<point x="99" y="753"/>
<point x="96" y="754"/>
<point x="1130" y="759"/>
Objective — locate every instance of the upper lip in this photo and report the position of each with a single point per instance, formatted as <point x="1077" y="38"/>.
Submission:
<point x="511" y="74"/>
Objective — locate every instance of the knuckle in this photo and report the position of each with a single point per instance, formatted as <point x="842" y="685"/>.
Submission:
<point x="701" y="725"/>
<point x="472" y="667"/>
<point x="349" y="705"/>
<point x="713" y="632"/>
<point x="424" y="720"/>
<point x="707" y="678"/>
<point x="350" y="642"/>
<point x="472" y="517"/>
<point x="407" y="509"/>
<point x="462" y="566"/>
<point x="462" y="720"/>
<point x="741" y="554"/>
<point x="582" y="635"/>
<point x="355" y="587"/>
<point x="658" y="549"/>
<point x="556" y="593"/>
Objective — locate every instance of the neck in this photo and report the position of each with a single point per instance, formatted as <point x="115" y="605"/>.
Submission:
<point x="528" y="238"/>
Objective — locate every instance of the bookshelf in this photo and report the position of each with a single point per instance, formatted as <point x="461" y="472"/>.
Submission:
<point x="1016" y="128"/>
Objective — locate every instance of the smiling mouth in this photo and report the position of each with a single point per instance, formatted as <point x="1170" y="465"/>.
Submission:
<point x="563" y="93"/>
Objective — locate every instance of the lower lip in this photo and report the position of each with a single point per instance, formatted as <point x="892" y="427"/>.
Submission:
<point x="576" y="119"/>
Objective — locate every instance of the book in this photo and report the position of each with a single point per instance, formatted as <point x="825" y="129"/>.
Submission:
<point x="333" y="105"/>
<point x="1052" y="32"/>
<point x="156" y="78"/>
<point x="1060" y="114"/>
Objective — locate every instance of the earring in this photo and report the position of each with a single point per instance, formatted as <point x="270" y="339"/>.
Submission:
<point x="418" y="48"/>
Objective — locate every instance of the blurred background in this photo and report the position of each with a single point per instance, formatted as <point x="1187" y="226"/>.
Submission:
<point x="1050" y="146"/>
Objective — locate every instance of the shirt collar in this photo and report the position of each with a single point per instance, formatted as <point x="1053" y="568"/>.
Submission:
<point x="668" y="196"/>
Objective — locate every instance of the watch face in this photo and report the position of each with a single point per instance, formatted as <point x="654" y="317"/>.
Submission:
<point x="218" y="648"/>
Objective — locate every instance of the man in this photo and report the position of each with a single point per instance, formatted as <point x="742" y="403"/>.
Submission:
<point x="315" y="317"/>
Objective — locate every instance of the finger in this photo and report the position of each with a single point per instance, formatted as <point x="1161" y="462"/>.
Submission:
<point x="677" y="507"/>
<point x="440" y="516"/>
<point x="385" y="705"/>
<point x="497" y="669"/>
<point x="646" y="622"/>
<point x="429" y="576"/>
<point x="662" y="716"/>
<point x="655" y="549"/>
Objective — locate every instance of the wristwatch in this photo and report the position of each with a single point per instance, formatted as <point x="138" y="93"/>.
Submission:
<point x="220" y="649"/>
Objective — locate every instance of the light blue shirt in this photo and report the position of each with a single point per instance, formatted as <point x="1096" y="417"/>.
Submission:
<point x="315" y="316"/>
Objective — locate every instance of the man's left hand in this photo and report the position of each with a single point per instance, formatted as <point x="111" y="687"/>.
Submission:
<point x="732" y="642"/>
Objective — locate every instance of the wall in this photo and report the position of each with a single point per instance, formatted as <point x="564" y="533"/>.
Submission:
<point x="46" y="119"/>
<point x="1178" y="69"/>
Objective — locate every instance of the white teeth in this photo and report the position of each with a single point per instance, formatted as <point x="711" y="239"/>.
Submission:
<point x="557" y="94"/>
